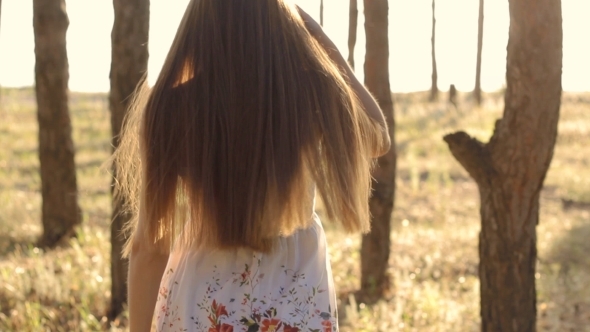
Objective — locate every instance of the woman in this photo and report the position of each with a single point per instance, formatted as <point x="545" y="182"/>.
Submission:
<point x="253" y="112"/>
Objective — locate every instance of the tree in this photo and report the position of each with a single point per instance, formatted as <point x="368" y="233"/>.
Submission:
<point x="477" y="90"/>
<point x="60" y="213"/>
<point x="434" y="86"/>
<point x="511" y="167"/>
<point x="322" y="12"/>
<point x="128" y="68"/>
<point x="453" y="95"/>
<point x="352" y="28"/>
<point x="376" y="244"/>
<point x="0" y="17"/>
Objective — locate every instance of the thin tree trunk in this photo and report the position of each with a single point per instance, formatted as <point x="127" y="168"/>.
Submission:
<point x="453" y="95"/>
<point x="434" y="86"/>
<point x="128" y="68"/>
<point x="477" y="90"/>
<point x="0" y="25"/>
<point x="60" y="211"/>
<point x="511" y="168"/>
<point x="376" y="245"/>
<point x="352" y="29"/>
<point x="322" y="12"/>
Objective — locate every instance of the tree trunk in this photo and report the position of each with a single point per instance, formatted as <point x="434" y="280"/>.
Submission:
<point x="453" y="95"/>
<point x="376" y="244"/>
<point x="128" y="68"/>
<point x="322" y="12"/>
<point x="0" y="25"/>
<point x="434" y="86"/>
<point x="511" y="168"/>
<point x="352" y="29"/>
<point x="477" y="90"/>
<point x="60" y="211"/>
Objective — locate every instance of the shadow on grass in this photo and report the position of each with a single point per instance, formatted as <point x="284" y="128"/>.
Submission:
<point x="10" y="244"/>
<point x="565" y="304"/>
<point x="571" y="251"/>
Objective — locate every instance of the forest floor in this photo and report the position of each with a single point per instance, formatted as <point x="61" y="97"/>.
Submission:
<point x="434" y="257"/>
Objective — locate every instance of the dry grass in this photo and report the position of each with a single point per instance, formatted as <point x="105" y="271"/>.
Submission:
<point x="434" y="253"/>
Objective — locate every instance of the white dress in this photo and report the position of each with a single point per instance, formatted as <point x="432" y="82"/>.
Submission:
<point x="289" y="290"/>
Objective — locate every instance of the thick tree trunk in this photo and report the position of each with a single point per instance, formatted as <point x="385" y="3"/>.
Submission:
<point x="128" y="68"/>
<point x="322" y="12"/>
<point x="511" y="168"/>
<point x="376" y="245"/>
<point x="352" y="29"/>
<point x="434" y="86"/>
<point x="60" y="211"/>
<point x="477" y="90"/>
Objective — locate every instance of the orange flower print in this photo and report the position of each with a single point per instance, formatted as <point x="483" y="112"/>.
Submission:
<point x="221" y="328"/>
<point x="289" y="328"/>
<point x="327" y="326"/>
<point x="226" y="328"/>
<point x="218" y="309"/>
<point x="271" y="325"/>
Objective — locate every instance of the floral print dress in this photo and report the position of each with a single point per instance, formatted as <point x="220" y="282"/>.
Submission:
<point x="289" y="290"/>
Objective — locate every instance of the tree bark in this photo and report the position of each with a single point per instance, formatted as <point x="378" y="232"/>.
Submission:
<point x="511" y="168"/>
<point x="434" y="86"/>
<point x="477" y="90"/>
<point x="352" y="29"/>
<point x="60" y="211"/>
<point x="128" y="68"/>
<point x="376" y="244"/>
<point x="322" y="12"/>
<point x="0" y="25"/>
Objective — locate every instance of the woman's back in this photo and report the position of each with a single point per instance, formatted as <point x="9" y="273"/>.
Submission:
<point x="247" y="113"/>
<point x="252" y="110"/>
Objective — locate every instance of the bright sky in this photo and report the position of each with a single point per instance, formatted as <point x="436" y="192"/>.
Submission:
<point x="410" y="24"/>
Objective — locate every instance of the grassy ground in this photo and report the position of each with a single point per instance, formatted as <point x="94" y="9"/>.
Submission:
<point x="433" y="257"/>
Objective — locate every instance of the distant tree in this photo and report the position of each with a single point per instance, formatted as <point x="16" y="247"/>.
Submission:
<point x="352" y="29"/>
<point x="477" y="90"/>
<point x="376" y="245"/>
<point x="128" y="68"/>
<point x="0" y="11"/>
<point x="453" y="95"/>
<point x="322" y="12"/>
<point x="60" y="213"/>
<point x="434" y="85"/>
<point x="511" y="167"/>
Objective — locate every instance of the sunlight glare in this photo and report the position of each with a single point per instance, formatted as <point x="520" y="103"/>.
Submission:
<point x="409" y="34"/>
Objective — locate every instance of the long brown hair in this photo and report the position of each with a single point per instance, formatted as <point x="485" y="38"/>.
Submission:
<point x="248" y="113"/>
